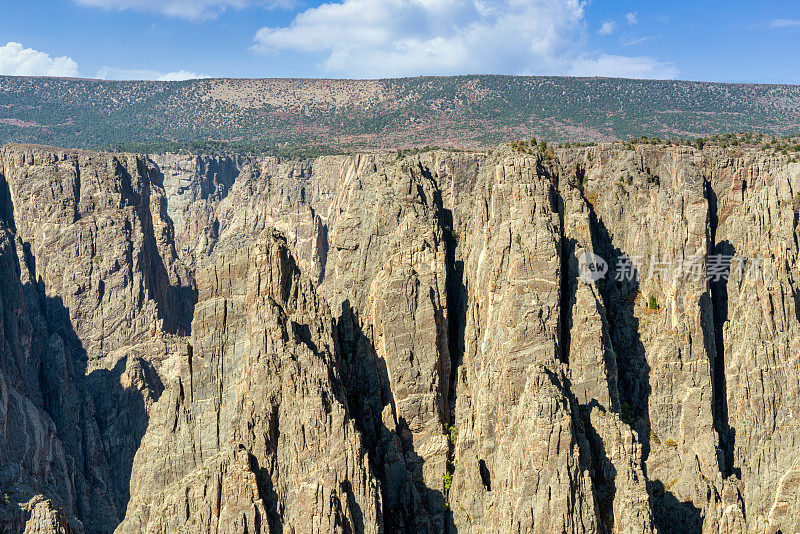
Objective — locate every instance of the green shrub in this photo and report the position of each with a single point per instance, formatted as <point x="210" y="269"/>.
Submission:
<point x="654" y="437"/>
<point x="450" y="235"/>
<point x="626" y="413"/>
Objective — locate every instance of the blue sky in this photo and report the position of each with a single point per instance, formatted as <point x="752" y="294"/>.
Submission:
<point x="751" y="41"/>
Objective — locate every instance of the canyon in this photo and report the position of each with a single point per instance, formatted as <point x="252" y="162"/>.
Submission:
<point x="402" y="344"/>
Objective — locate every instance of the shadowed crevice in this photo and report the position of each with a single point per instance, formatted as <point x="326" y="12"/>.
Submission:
<point x="6" y="205"/>
<point x="175" y="302"/>
<point x="568" y="283"/>
<point x="719" y="304"/>
<point x="409" y="506"/>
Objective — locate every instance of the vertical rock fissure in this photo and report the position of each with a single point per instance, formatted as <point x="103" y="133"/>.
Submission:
<point x="456" y="317"/>
<point x="76" y="193"/>
<point x="564" y="294"/>
<point x="719" y="305"/>
<point x="456" y="313"/>
<point x="624" y="335"/>
<point x="456" y="303"/>
<point x="596" y="454"/>
<point x="566" y="248"/>
<point x="6" y="205"/>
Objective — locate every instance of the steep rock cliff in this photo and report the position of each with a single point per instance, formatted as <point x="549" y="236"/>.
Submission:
<point x="419" y="352"/>
<point x="93" y="295"/>
<point x="254" y="434"/>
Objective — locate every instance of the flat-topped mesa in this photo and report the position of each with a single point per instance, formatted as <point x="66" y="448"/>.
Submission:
<point x="474" y="111"/>
<point x="389" y="342"/>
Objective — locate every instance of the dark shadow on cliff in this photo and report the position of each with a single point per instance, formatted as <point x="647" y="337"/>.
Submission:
<point x="628" y="372"/>
<point x="718" y="285"/>
<point x="176" y="302"/>
<point x="456" y="308"/>
<point x="568" y="275"/>
<point x="618" y="295"/>
<point x="457" y="303"/>
<point x="264" y="476"/>
<point x="719" y="301"/>
<point x="100" y="421"/>
<point x="409" y="506"/>
<point x="6" y="206"/>
<point x="121" y="417"/>
<point x="457" y="297"/>
<point x="674" y="516"/>
<point x="603" y="471"/>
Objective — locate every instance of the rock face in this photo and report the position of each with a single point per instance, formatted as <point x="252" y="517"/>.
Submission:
<point x="374" y="343"/>
<point x="257" y="419"/>
<point x="93" y="294"/>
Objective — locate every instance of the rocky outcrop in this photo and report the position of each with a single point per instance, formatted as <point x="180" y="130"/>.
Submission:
<point x="371" y="235"/>
<point x="254" y="434"/>
<point x="93" y="293"/>
<point x="376" y="343"/>
<point x="519" y="462"/>
<point x="754" y="207"/>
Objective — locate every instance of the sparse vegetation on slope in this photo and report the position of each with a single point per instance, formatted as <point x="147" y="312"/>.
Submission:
<point x="269" y="115"/>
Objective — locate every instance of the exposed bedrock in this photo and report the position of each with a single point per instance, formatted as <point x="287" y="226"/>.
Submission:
<point x="375" y="343"/>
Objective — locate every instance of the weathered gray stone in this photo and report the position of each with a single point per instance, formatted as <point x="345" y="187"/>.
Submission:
<point x="416" y="352"/>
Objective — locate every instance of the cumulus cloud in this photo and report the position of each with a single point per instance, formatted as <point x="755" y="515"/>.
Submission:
<point x="632" y="18"/>
<point x="381" y="38"/>
<point x="186" y="9"/>
<point x="607" y="28"/>
<point x="114" y="73"/>
<point x="624" y="67"/>
<point x="17" y="60"/>
<point x="405" y="37"/>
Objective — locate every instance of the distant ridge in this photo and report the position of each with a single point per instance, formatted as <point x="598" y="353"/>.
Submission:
<point x="458" y="111"/>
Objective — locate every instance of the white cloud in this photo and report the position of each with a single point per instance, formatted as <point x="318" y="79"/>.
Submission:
<point x="410" y="37"/>
<point x="382" y="38"/>
<point x="114" y="73"/>
<point x="186" y="9"/>
<point x="179" y="75"/>
<point x="782" y="24"/>
<point x="632" y="18"/>
<point x="624" y="67"/>
<point x="19" y="61"/>
<point x="637" y="40"/>
<point x="607" y="28"/>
